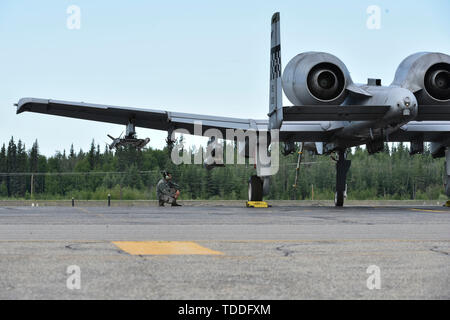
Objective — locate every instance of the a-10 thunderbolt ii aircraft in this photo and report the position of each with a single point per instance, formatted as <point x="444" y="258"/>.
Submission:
<point x="330" y="112"/>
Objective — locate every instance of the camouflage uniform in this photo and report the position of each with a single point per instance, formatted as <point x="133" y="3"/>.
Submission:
<point x="165" y="192"/>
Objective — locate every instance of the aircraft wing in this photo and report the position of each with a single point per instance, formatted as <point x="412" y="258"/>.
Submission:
<point x="145" y="118"/>
<point x="433" y="113"/>
<point x="306" y="123"/>
<point x="431" y="124"/>
<point x="432" y="131"/>
<point x="302" y="122"/>
<point x="334" y="113"/>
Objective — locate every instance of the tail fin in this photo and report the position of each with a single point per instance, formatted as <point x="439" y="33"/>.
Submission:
<point x="275" y="95"/>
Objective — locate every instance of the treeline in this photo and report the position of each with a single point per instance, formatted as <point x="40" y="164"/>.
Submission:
<point x="131" y="174"/>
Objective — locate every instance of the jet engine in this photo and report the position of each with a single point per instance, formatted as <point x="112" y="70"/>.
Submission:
<point x="313" y="78"/>
<point x="427" y="75"/>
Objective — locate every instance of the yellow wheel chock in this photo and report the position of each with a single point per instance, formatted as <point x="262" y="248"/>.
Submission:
<point x="257" y="204"/>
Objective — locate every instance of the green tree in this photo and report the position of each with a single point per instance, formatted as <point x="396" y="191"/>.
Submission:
<point x="11" y="167"/>
<point x="21" y="167"/>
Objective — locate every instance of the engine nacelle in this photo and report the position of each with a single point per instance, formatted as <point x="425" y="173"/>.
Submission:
<point x="313" y="78"/>
<point x="427" y="75"/>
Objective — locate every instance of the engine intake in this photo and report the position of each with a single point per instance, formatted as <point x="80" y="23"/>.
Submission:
<point x="437" y="81"/>
<point x="427" y="74"/>
<point x="326" y="81"/>
<point x="314" y="78"/>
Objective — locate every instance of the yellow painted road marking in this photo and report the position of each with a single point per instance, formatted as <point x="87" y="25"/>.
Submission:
<point x="427" y="210"/>
<point x="164" y="248"/>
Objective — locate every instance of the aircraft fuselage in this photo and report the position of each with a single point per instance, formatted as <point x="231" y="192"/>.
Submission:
<point x="403" y="108"/>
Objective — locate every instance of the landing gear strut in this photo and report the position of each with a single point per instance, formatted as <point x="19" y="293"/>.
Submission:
<point x="447" y="171"/>
<point x="342" y="166"/>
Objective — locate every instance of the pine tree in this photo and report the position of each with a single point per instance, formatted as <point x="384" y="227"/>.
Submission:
<point x="3" y="189"/>
<point x="33" y="166"/>
<point x="72" y="154"/>
<point x="22" y="160"/>
<point x="97" y="157"/>
<point x="3" y="159"/>
<point x="91" y="155"/>
<point x="11" y="167"/>
<point x="33" y="158"/>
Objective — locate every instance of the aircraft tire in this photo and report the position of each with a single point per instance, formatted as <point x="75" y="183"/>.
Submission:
<point x="255" y="189"/>
<point x="339" y="198"/>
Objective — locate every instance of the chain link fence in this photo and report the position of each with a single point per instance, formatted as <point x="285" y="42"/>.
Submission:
<point x="366" y="180"/>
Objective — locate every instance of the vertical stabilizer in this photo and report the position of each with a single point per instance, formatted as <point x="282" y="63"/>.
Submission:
<point x="275" y="95"/>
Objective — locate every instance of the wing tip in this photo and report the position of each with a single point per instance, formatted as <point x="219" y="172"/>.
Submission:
<point x="22" y="104"/>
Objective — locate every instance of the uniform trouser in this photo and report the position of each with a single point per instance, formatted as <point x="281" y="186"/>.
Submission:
<point x="166" y="199"/>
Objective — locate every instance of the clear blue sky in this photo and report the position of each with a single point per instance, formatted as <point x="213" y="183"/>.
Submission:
<point x="206" y="57"/>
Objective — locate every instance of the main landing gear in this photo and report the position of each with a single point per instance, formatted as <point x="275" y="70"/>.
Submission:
<point x="342" y="166"/>
<point x="255" y="189"/>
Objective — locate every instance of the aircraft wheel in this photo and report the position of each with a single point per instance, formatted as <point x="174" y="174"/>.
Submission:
<point x="339" y="198"/>
<point x="255" y="189"/>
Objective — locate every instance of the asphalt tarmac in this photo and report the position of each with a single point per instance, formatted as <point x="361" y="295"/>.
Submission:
<point x="221" y="252"/>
